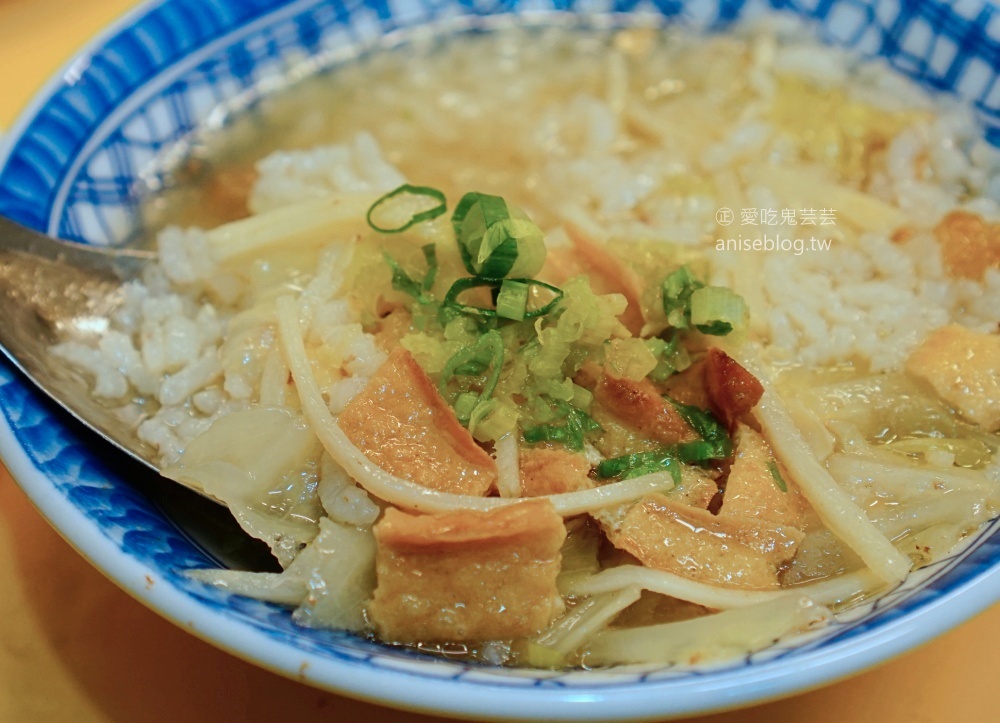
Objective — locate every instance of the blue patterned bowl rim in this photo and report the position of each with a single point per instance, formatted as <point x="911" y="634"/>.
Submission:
<point x="69" y="166"/>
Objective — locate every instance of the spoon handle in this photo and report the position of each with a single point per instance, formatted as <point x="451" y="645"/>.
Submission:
<point x="123" y="263"/>
<point x="51" y="290"/>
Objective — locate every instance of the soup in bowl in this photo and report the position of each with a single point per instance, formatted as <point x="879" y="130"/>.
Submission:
<point x="600" y="356"/>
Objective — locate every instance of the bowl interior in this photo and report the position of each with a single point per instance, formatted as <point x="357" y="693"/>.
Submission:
<point x="79" y="165"/>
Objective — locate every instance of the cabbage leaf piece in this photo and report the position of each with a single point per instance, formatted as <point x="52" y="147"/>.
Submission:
<point x="259" y="462"/>
<point x="330" y="580"/>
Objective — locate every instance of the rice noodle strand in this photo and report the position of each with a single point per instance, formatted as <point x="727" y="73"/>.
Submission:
<point x="835" y="507"/>
<point x="402" y="492"/>
<point x="508" y="466"/>
<point x="310" y="223"/>
<point x="829" y="592"/>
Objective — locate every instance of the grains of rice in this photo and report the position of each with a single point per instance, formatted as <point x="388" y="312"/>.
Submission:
<point x="290" y="176"/>
<point x="612" y="137"/>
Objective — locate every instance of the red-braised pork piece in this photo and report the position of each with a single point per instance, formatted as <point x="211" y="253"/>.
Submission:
<point x="403" y="425"/>
<point x="753" y="489"/>
<point x="671" y="536"/>
<point x="467" y="576"/>
<point x="639" y="405"/>
<point x="963" y="366"/>
<point x="732" y="390"/>
<point x="553" y="471"/>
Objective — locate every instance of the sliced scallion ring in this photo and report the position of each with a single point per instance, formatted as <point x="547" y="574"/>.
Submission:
<point x="460" y="287"/>
<point x="420" y="217"/>
<point x="506" y="303"/>
<point x="718" y="310"/>
<point x="495" y="239"/>
<point x="512" y="301"/>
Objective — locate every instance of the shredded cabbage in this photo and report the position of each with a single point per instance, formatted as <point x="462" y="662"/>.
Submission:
<point x="579" y="624"/>
<point x="724" y="635"/>
<point x="261" y="462"/>
<point x="330" y="580"/>
<point x="629" y="359"/>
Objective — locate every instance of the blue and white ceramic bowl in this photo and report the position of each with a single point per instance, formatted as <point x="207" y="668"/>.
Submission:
<point x="72" y="167"/>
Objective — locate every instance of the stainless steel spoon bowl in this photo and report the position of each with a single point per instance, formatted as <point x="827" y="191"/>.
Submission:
<point x="49" y="287"/>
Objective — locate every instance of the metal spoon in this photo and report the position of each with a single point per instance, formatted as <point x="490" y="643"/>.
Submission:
<point x="48" y="287"/>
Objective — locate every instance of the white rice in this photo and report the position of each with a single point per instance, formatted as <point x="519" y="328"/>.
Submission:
<point x="290" y="176"/>
<point x="578" y="137"/>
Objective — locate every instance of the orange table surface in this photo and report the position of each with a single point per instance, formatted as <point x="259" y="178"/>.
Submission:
<point x="73" y="647"/>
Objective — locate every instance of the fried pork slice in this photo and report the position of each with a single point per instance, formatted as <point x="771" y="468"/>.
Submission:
<point x="969" y="245"/>
<point x="963" y="366"/>
<point x="695" y="490"/>
<point x="752" y="490"/>
<point x="465" y="576"/>
<point x="732" y="390"/>
<point x="553" y="471"/>
<point x="639" y="405"/>
<point x="688" y="386"/>
<point x="403" y="425"/>
<point x="671" y="536"/>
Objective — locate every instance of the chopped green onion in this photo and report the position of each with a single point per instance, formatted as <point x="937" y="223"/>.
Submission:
<point x="485" y="357"/>
<point x="671" y="357"/>
<point x="546" y="433"/>
<point x="714" y="310"/>
<point x="718" y="310"/>
<point x="451" y="304"/>
<point x="715" y="442"/>
<point x="547" y="306"/>
<point x="401" y="281"/>
<point x="586" y="422"/>
<point x="496" y="240"/>
<point x="430" y="256"/>
<point x="465" y="404"/>
<point x="571" y="433"/>
<point x="772" y="466"/>
<point x="416" y="218"/>
<point x="700" y="452"/>
<point x="492" y="419"/>
<point x="512" y="301"/>
<point x="677" y="289"/>
<point x="480" y="410"/>
<point x="657" y="346"/>
<point x="635" y="465"/>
